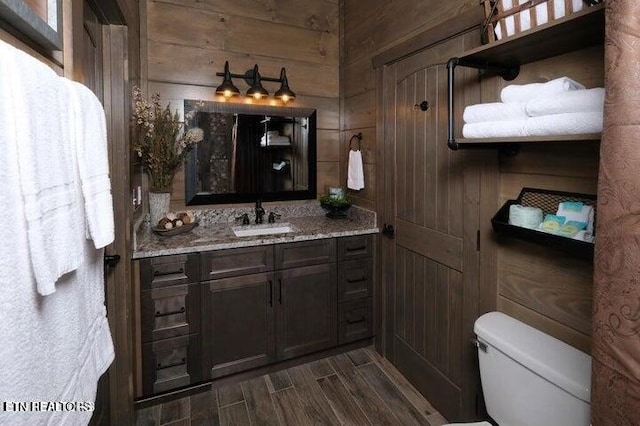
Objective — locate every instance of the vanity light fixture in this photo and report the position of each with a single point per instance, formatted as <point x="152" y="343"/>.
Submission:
<point x="253" y="78"/>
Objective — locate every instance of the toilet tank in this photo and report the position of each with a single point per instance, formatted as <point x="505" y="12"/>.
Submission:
<point x="530" y="378"/>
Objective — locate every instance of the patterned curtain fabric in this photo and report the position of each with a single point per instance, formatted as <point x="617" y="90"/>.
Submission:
<point x="616" y="318"/>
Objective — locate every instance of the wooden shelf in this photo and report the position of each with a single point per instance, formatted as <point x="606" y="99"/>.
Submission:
<point x="573" y="32"/>
<point x="532" y="139"/>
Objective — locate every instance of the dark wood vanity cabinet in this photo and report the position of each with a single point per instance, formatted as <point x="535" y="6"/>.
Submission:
<point x="212" y="314"/>
<point x="256" y="319"/>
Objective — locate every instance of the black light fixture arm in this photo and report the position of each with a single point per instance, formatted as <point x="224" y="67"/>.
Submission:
<point x="248" y="76"/>
<point x="254" y="80"/>
<point x="506" y="72"/>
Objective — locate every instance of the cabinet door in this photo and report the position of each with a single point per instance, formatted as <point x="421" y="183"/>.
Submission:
<point x="355" y="279"/>
<point x="170" y="311"/>
<point x="305" y="253"/>
<point x="355" y="320"/>
<point x="235" y="262"/>
<point x="237" y="324"/>
<point x="306" y="310"/>
<point x="167" y="271"/>
<point x="355" y="247"/>
<point x="170" y="364"/>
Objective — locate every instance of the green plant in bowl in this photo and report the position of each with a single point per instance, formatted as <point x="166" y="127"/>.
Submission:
<point x="336" y="206"/>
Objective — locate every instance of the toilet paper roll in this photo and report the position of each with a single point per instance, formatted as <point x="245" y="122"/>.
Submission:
<point x="526" y="217"/>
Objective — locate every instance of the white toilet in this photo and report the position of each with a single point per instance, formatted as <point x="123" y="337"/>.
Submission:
<point x="530" y="378"/>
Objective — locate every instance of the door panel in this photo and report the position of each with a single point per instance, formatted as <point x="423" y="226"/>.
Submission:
<point x="434" y="245"/>
<point x="237" y="324"/>
<point x="306" y="310"/>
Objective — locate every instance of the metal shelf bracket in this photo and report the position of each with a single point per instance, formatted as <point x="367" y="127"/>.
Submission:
<point x="506" y="72"/>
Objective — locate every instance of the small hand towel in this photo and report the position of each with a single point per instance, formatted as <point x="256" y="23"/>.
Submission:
<point x="89" y="134"/>
<point x="589" y="100"/>
<point x="494" y="129"/>
<point x="526" y="92"/>
<point x="574" y="123"/>
<point x="494" y="111"/>
<point x="355" y="174"/>
<point x="47" y="169"/>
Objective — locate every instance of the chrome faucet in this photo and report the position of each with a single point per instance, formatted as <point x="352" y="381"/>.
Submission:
<point x="259" y="212"/>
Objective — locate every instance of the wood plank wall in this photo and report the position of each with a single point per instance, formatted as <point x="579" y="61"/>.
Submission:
<point x="188" y="41"/>
<point x="545" y="288"/>
<point x="368" y="28"/>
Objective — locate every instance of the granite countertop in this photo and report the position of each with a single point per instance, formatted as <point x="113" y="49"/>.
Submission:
<point x="215" y="230"/>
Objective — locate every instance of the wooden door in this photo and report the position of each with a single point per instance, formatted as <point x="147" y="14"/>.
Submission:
<point x="306" y="309"/>
<point x="432" y="200"/>
<point x="100" y="54"/>
<point x="93" y="72"/>
<point x="237" y="324"/>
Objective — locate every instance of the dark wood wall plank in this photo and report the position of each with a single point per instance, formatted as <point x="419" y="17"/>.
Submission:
<point x="187" y="42"/>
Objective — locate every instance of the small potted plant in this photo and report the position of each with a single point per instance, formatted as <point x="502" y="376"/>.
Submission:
<point x="336" y="205"/>
<point x="162" y="145"/>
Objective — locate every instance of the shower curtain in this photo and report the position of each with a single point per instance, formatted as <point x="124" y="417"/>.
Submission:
<point x="616" y="318"/>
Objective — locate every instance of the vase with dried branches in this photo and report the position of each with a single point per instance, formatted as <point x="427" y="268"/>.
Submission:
<point x="162" y="145"/>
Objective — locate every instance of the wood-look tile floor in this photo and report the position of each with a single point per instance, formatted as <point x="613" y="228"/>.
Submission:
<point x="356" y="388"/>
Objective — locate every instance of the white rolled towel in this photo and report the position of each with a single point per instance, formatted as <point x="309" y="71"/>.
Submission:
<point x="494" y="129"/>
<point x="526" y="92"/>
<point x="494" y="111"/>
<point x="574" y="123"/>
<point x="590" y="100"/>
<point x="525" y="216"/>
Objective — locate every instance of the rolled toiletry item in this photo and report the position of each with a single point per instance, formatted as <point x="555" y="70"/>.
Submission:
<point x="494" y="111"/>
<point x="551" y="223"/>
<point x="526" y="92"/>
<point x="525" y="216"/>
<point x="590" y="100"/>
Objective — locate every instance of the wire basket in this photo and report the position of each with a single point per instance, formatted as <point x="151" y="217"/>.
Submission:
<point x="506" y="18"/>
<point x="547" y="200"/>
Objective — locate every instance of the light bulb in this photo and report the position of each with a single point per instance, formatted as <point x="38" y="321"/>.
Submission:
<point x="227" y="93"/>
<point x="285" y="98"/>
<point x="257" y="95"/>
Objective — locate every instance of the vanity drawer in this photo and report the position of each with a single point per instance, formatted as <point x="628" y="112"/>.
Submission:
<point x="168" y="270"/>
<point x="171" y="364"/>
<point x="170" y="311"/>
<point x="235" y="262"/>
<point x="355" y="320"/>
<point x="355" y="279"/>
<point x="305" y="253"/>
<point x="356" y="247"/>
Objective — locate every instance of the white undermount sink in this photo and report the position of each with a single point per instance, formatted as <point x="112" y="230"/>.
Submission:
<point x="266" y="229"/>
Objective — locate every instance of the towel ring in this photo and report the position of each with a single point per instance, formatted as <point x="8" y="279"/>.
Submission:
<point x="356" y="136"/>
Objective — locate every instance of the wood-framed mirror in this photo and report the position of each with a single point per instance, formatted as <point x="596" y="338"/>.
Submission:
<point x="250" y="152"/>
<point x="38" y="20"/>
